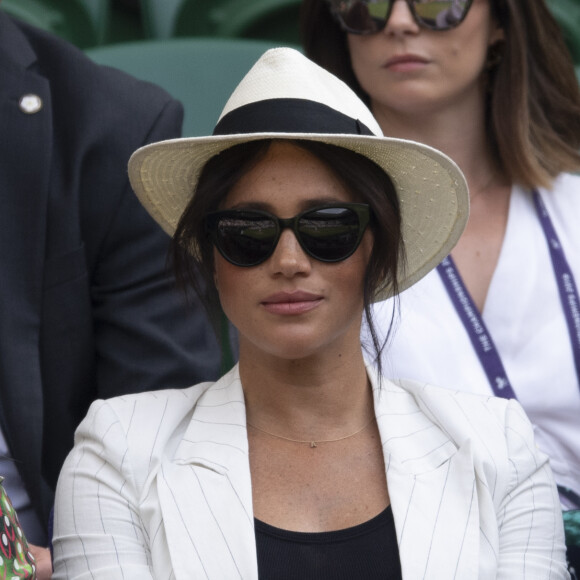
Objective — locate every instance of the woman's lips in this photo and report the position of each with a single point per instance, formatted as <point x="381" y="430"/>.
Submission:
<point x="405" y="63"/>
<point x="290" y="303"/>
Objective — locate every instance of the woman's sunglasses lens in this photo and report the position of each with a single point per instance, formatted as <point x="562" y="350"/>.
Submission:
<point x="363" y="17"/>
<point x="441" y="14"/>
<point x="246" y="241"/>
<point x="368" y="17"/>
<point x="330" y="234"/>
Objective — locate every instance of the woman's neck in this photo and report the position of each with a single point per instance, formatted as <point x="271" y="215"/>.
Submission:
<point x="316" y="396"/>
<point x="459" y="131"/>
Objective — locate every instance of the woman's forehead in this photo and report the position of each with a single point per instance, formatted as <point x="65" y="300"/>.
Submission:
<point x="289" y="179"/>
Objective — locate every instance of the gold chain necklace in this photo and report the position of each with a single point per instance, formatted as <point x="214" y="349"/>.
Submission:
<point x="311" y="442"/>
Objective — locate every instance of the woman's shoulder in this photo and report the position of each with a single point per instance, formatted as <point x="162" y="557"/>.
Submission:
<point x="169" y="407"/>
<point x="565" y="189"/>
<point x="497" y="430"/>
<point x="136" y="433"/>
<point x="562" y="201"/>
<point x="464" y="415"/>
<point x="456" y="412"/>
<point x="150" y="403"/>
<point x="426" y="393"/>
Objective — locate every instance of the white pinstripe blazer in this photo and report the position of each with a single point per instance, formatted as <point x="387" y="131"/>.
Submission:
<point x="158" y="486"/>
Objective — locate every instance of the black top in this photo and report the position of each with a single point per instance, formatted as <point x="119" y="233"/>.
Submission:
<point x="368" y="551"/>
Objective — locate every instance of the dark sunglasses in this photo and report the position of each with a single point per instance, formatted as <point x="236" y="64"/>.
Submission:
<point x="327" y="233"/>
<point x="370" y="16"/>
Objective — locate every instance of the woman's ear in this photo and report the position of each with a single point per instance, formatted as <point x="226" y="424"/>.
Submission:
<point x="497" y="34"/>
<point x="495" y="45"/>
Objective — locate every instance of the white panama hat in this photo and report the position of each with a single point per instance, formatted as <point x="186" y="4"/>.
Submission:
<point x="287" y="96"/>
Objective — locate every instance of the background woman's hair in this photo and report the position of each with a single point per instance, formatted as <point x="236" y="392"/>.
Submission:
<point x="534" y="99"/>
<point x="363" y="178"/>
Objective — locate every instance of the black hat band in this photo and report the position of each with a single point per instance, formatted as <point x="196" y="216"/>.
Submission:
<point x="288" y="116"/>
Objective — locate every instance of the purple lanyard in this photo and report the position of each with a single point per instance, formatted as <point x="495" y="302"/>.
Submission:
<point x="476" y="329"/>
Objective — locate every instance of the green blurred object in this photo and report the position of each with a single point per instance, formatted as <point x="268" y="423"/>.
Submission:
<point x="126" y="23"/>
<point x="159" y="17"/>
<point x="275" y="20"/>
<point x="567" y="14"/>
<point x="572" y="527"/>
<point x="572" y="531"/>
<point x="200" y="72"/>
<point x="100" y="14"/>
<point x="82" y="22"/>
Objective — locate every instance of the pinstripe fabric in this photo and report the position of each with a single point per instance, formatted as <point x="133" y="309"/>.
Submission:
<point x="158" y="486"/>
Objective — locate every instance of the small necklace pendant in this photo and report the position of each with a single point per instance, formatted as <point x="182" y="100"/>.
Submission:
<point x="313" y="444"/>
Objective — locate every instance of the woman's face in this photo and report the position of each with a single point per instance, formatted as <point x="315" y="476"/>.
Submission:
<point x="292" y="306"/>
<point x="408" y="69"/>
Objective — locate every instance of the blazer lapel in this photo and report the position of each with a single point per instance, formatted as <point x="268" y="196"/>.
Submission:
<point x="205" y="493"/>
<point x="432" y="486"/>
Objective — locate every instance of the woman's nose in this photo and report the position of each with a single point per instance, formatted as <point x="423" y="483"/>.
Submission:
<point x="289" y="259"/>
<point x="401" y="20"/>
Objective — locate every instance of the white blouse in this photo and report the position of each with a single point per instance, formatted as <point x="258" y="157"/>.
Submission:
<point x="524" y="315"/>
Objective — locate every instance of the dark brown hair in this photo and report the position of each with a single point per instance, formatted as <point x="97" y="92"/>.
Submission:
<point x="363" y="178"/>
<point x="534" y="100"/>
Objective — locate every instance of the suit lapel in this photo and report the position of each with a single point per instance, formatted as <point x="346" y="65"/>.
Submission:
<point x="25" y="151"/>
<point x="432" y="486"/>
<point x="206" y="491"/>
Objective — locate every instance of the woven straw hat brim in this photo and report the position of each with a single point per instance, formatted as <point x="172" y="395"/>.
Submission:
<point x="431" y="188"/>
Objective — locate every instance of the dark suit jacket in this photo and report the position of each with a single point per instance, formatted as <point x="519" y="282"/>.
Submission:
<point x="87" y="309"/>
